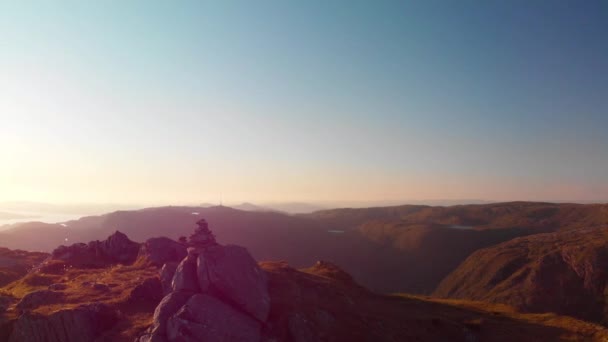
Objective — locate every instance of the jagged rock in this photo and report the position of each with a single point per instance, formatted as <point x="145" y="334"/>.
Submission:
<point x="185" y="278"/>
<point x="35" y="299"/>
<point x="117" y="248"/>
<point x="162" y="250"/>
<point x="165" y="309"/>
<point x="77" y="254"/>
<point x="234" y="273"/>
<point x="148" y="291"/>
<point x="166" y="276"/>
<point x="83" y="323"/>
<point x="58" y="287"/>
<point x="205" y="318"/>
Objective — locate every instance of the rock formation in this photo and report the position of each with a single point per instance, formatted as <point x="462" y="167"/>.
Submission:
<point x="34" y="299"/>
<point x="117" y="248"/>
<point x="162" y="250"/>
<point x="218" y="293"/>
<point x="84" y="323"/>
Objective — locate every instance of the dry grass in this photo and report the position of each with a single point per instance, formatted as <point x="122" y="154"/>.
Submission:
<point x="120" y="281"/>
<point x="500" y="318"/>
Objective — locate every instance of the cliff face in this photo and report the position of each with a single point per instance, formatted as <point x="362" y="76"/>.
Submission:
<point x="564" y="272"/>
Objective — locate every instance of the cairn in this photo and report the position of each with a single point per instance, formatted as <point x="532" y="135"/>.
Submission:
<point x="202" y="238"/>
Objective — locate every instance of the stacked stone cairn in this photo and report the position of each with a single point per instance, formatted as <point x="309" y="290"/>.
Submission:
<point x="217" y="293"/>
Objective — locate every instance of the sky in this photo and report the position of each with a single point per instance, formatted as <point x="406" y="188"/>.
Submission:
<point x="192" y="101"/>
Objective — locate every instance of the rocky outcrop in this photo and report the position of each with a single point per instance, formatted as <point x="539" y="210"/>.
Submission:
<point x="206" y="318"/>
<point x="168" y="306"/>
<point x="185" y="278"/>
<point x="234" y="274"/>
<point x="150" y="291"/>
<point x="117" y="248"/>
<point x="219" y="293"/>
<point x="84" y="323"/>
<point x="162" y="250"/>
<point x="35" y="299"/>
<point x="166" y="276"/>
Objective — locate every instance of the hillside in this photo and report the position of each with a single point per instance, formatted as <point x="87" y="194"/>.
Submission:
<point x="389" y="249"/>
<point x="63" y="300"/>
<point x="15" y="264"/>
<point x="562" y="272"/>
<point x="538" y="216"/>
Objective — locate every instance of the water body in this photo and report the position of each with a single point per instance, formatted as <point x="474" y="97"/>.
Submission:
<point x="460" y="227"/>
<point x="38" y="217"/>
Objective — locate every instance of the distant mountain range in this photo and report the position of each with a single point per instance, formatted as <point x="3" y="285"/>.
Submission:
<point x="407" y="248"/>
<point x="12" y="216"/>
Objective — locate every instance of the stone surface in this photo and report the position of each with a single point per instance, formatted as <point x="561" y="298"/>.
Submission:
<point x="168" y="306"/>
<point x="117" y="247"/>
<point x="166" y="276"/>
<point x="150" y="290"/>
<point x="162" y="250"/>
<point x="185" y="278"/>
<point x="234" y="273"/>
<point x="202" y="274"/>
<point x="35" y="299"/>
<point x="83" y="323"/>
<point x="206" y="318"/>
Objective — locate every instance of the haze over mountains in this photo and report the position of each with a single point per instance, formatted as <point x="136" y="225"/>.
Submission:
<point x="494" y="271"/>
<point x="408" y="248"/>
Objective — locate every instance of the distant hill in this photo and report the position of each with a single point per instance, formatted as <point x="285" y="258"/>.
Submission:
<point x="64" y="299"/>
<point x="389" y="249"/>
<point x="563" y="272"/>
<point x="250" y="207"/>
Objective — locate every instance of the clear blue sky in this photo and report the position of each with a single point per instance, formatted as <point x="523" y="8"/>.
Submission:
<point x="179" y="101"/>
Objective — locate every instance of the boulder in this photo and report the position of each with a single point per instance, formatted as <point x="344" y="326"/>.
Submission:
<point x="166" y="276"/>
<point x="206" y="318"/>
<point x="84" y="323"/>
<point x="202" y="274"/>
<point x="185" y="279"/>
<point x="150" y="290"/>
<point x="162" y="250"/>
<point x="168" y="306"/>
<point x="35" y="299"/>
<point x="236" y="276"/>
